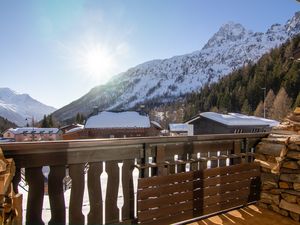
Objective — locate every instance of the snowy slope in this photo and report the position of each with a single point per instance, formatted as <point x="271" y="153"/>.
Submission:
<point x="163" y="80"/>
<point x="17" y="107"/>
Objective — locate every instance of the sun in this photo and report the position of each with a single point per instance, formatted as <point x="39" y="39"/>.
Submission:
<point x="95" y="60"/>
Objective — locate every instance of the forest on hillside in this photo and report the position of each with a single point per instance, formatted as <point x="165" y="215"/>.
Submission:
<point x="275" y="78"/>
<point x="5" y="124"/>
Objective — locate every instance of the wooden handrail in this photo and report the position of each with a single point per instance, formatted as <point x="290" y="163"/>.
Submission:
<point x="74" y="154"/>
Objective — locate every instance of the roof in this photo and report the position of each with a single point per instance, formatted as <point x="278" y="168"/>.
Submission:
<point x="236" y="119"/>
<point x="271" y="123"/>
<point x="36" y="130"/>
<point x="156" y="124"/>
<point x="178" y="127"/>
<point x="128" y="119"/>
<point x="77" y="128"/>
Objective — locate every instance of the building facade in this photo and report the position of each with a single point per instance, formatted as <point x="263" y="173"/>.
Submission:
<point x="115" y="125"/>
<point x="216" y="123"/>
<point x="21" y="134"/>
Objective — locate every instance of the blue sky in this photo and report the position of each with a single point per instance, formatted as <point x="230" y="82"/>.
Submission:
<point x="51" y="49"/>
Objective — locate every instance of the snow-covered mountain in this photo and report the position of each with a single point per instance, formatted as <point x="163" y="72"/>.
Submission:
<point x="163" y="80"/>
<point x="17" y="107"/>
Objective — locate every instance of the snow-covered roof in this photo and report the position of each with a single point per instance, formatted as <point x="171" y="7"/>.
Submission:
<point x="236" y="119"/>
<point x="79" y="127"/>
<point x="156" y="124"/>
<point x="178" y="127"/>
<point x="127" y="119"/>
<point x="271" y="123"/>
<point x="36" y="130"/>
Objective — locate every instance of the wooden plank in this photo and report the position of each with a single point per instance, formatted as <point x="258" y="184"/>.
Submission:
<point x="56" y="195"/>
<point x="212" y="146"/>
<point x="224" y="206"/>
<point x="219" y="203"/>
<point x="205" y="192"/>
<point x="171" y="219"/>
<point x="35" y="179"/>
<point x="112" y="211"/>
<point x="165" y="210"/>
<point x="127" y="183"/>
<point x="206" y="173"/>
<point x="46" y="153"/>
<point x="166" y="199"/>
<point x="95" y="214"/>
<point x="196" y="195"/>
<point x="157" y="191"/>
<point x="76" y="173"/>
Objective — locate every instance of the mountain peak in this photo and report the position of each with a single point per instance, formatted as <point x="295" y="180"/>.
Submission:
<point x="17" y="107"/>
<point x="230" y="31"/>
<point x="293" y="25"/>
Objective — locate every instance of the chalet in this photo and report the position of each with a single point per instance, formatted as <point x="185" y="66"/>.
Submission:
<point x="216" y="123"/>
<point x="180" y="129"/>
<point x="115" y="125"/>
<point x="32" y="134"/>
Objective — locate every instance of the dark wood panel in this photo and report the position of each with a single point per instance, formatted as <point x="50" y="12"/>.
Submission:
<point x="127" y="182"/>
<point x="156" y="191"/>
<point x="76" y="199"/>
<point x="198" y="193"/>
<point x="94" y="189"/>
<point x="166" y="199"/>
<point x="56" y="195"/>
<point x="206" y="173"/>
<point x="112" y="211"/>
<point x="95" y="150"/>
<point x="165" y="210"/>
<point x="35" y="179"/>
<point x="212" y="146"/>
<point x="224" y="206"/>
<point x="172" y="219"/>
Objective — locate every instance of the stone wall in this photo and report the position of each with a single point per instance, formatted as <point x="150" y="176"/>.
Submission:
<point x="279" y="156"/>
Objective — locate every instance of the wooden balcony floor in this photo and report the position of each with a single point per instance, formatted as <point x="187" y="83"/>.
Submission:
<point x="249" y="215"/>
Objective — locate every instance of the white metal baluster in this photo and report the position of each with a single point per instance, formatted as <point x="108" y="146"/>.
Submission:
<point x="227" y="159"/>
<point x="187" y="165"/>
<point x="198" y="157"/>
<point x="150" y="168"/>
<point x="120" y="201"/>
<point x="176" y="159"/>
<point x="135" y="177"/>
<point x="208" y="161"/>
<point x="218" y="155"/>
<point x="103" y="182"/>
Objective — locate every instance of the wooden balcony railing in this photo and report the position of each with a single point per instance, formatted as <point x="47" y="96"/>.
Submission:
<point x="112" y="167"/>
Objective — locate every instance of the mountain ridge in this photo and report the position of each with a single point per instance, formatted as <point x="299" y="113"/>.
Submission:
<point x="231" y="47"/>
<point x="16" y="107"/>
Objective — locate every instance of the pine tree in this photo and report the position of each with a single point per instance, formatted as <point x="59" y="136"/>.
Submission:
<point x="281" y="105"/>
<point x="269" y="102"/>
<point x="50" y="121"/>
<point x="246" y="108"/>
<point x="259" y="109"/>
<point x="45" y="122"/>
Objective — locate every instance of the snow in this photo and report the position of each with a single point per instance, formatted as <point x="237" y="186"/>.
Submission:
<point x="234" y="119"/>
<point x="80" y="127"/>
<point x="232" y="47"/>
<point x="177" y="127"/>
<point x="156" y="124"/>
<point x="127" y="119"/>
<point x="17" y="107"/>
<point x="35" y="130"/>
<point x="271" y="123"/>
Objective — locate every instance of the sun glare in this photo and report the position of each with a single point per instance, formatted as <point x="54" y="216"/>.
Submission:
<point x="95" y="61"/>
